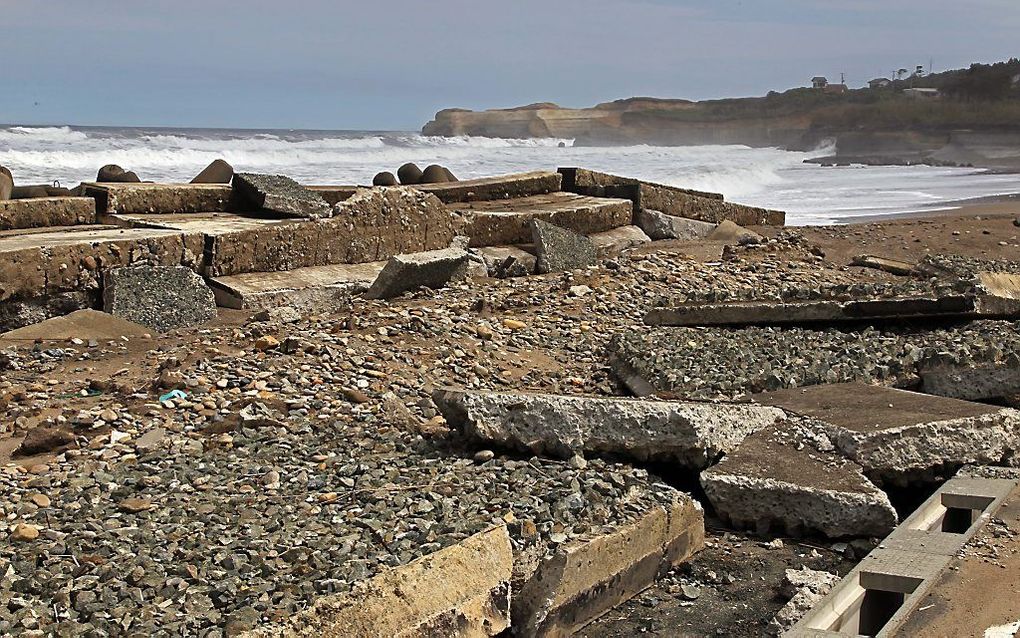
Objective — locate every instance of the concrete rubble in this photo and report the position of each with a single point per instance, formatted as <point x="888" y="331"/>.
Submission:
<point x="160" y="297"/>
<point x="691" y="434"/>
<point x="430" y="269"/>
<point x="278" y="194"/>
<point x="661" y="226"/>
<point x="558" y="249"/>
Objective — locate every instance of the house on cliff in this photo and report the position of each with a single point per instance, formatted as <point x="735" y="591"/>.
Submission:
<point x="819" y="82"/>
<point x="879" y="83"/>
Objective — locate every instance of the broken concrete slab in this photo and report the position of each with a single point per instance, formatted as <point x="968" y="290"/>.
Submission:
<point x="617" y="240"/>
<point x="143" y="198"/>
<point x="972" y="382"/>
<point x="502" y="222"/>
<point x="372" y="225"/>
<point x="891" y="266"/>
<point x="902" y="437"/>
<point x="788" y="477"/>
<point x="689" y="433"/>
<point x="507" y="261"/>
<point x="670" y="200"/>
<point x="161" y="297"/>
<point x="430" y="269"/>
<point x="279" y="194"/>
<point x="316" y="289"/>
<point x="81" y="324"/>
<point x="47" y="211"/>
<point x="461" y="590"/>
<point x="661" y="226"/>
<point x="495" y="188"/>
<point x="584" y="579"/>
<point x="805" y="588"/>
<point x="559" y="249"/>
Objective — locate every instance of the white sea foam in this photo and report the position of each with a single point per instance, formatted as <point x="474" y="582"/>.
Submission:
<point x="760" y="176"/>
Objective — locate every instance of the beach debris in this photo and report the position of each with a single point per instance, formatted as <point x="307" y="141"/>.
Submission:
<point x="559" y="249"/>
<point x="160" y="297"/>
<point x="431" y="269"/>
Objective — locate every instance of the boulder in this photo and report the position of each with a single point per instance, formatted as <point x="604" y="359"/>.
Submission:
<point x="432" y="269"/>
<point x="384" y="178"/>
<point x="731" y="232"/>
<point x="661" y="226"/>
<point x="279" y="194"/>
<point x="434" y="174"/>
<point x="409" y="174"/>
<point x="160" y="297"/>
<point x="114" y="173"/>
<point x="218" y="172"/>
<point x="41" y="439"/>
<point x="6" y="186"/>
<point x="617" y="240"/>
<point x="559" y="249"/>
<point x="690" y="433"/>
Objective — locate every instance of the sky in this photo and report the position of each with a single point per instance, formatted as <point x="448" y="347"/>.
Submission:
<point x="391" y="65"/>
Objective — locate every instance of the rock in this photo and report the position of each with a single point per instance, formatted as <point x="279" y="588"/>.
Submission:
<point x="279" y="194"/>
<point x="161" y="297"/>
<point x="409" y="174"/>
<point x="384" y="179"/>
<point x="40" y="500"/>
<point x="514" y="324"/>
<point x="114" y="173"/>
<point x="134" y="505"/>
<point x="560" y="249"/>
<point x="804" y="587"/>
<point x="434" y="174"/>
<point x="23" y="532"/>
<point x="432" y="269"/>
<point x="218" y="172"/>
<point x="6" y="171"/>
<point x="507" y="261"/>
<point x="42" y="439"/>
<point x="481" y="456"/>
<point x="354" y="395"/>
<point x="617" y="240"/>
<point x="688" y="433"/>
<point x="6" y="186"/>
<point x="730" y="232"/>
<point x="661" y="226"/>
<point x="266" y="342"/>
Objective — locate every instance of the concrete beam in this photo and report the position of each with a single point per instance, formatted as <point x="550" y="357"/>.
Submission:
<point x="47" y="211"/>
<point x="495" y="188"/>
<point x="143" y="198"/>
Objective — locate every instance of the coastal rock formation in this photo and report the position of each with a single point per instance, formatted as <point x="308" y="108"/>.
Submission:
<point x="409" y="174"/>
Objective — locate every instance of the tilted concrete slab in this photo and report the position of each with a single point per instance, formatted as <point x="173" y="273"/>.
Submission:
<point x="692" y="434"/>
<point x="670" y="200"/>
<point x="128" y="198"/>
<point x="314" y="289"/>
<point x="512" y="186"/>
<point x="372" y="225"/>
<point x="896" y="590"/>
<point x="615" y="241"/>
<point x="279" y="194"/>
<point x="462" y="590"/>
<point x="500" y="222"/>
<point x="585" y="579"/>
<point x="780" y="479"/>
<point x="743" y="313"/>
<point x="431" y="269"/>
<point x="47" y="211"/>
<point x="902" y="437"/>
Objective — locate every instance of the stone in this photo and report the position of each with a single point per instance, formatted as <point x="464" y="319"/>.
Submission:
<point x="690" y="434"/>
<point x="279" y="194"/>
<point x="114" y="173"/>
<point x="431" y="269"/>
<point x="29" y="192"/>
<point x="161" y="297"/>
<point x="135" y="505"/>
<point x="617" y="240"/>
<point x="462" y="590"/>
<point x="507" y="261"/>
<point x="434" y="174"/>
<point x="661" y="226"/>
<point x="409" y="174"/>
<point x="558" y="249"/>
<point x="266" y="342"/>
<point x="786" y="478"/>
<point x="40" y="500"/>
<point x="384" y="179"/>
<point x="217" y="172"/>
<point x="42" y="439"/>
<point x="891" y="266"/>
<point x="23" y="532"/>
<point x="310" y="290"/>
<point x="728" y="231"/>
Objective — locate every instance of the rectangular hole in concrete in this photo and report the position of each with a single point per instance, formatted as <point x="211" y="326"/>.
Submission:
<point x="951" y="513"/>
<point x="866" y="606"/>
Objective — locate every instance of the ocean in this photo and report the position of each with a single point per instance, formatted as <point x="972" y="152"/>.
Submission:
<point x="769" y="177"/>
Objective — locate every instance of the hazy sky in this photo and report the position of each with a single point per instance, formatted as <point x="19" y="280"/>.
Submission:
<point x="391" y="65"/>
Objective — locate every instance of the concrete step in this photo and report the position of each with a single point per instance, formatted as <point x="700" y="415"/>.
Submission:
<point x="314" y="289"/>
<point x="502" y="222"/>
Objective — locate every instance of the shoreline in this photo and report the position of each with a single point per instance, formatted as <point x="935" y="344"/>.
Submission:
<point x="986" y="205"/>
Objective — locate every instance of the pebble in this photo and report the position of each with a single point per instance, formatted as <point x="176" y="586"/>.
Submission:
<point x="24" y="532"/>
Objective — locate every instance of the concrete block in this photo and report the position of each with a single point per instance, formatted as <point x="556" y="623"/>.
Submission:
<point x="461" y="590"/>
<point x="161" y="297"/>
<point x="787" y="477"/>
<point x="901" y="437"/>
<point x="316" y="289"/>
<point x="495" y="188"/>
<point x="689" y="433"/>
<point x="279" y="194"/>
<point x="502" y="222"/>
<point x="559" y="249"/>
<point x="661" y="226"/>
<point x="47" y="211"/>
<point x="972" y="382"/>
<point x="615" y="241"/>
<point x="585" y="579"/>
<point x="138" y="198"/>
<point x="431" y="269"/>
<point x="891" y="266"/>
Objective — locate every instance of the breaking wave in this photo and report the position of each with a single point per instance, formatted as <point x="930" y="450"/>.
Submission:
<point x="760" y="176"/>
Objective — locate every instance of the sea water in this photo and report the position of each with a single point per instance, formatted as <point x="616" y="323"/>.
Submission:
<point x="769" y="177"/>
